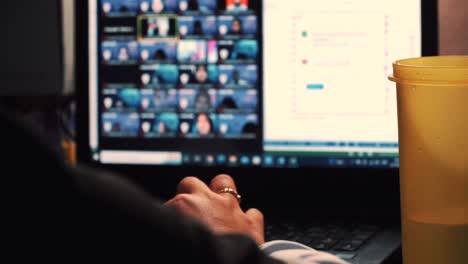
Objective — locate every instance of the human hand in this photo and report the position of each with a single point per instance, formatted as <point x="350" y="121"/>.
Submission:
<point x="219" y="211"/>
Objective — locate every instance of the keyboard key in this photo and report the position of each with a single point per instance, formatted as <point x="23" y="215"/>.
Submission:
<point x="290" y="235"/>
<point x="320" y="246"/>
<point x="346" y="247"/>
<point x="370" y="228"/>
<point x="338" y="236"/>
<point x="289" y="227"/>
<point x="316" y="230"/>
<point x="357" y="242"/>
<point x="303" y="240"/>
<point x="330" y="241"/>
<point x="316" y="237"/>
<point x="323" y="244"/>
<point x="335" y="230"/>
<point x="362" y="235"/>
<point x="349" y="245"/>
<point x="346" y="256"/>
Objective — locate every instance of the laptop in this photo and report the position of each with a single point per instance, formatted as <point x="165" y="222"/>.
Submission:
<point x="291" y="98"/>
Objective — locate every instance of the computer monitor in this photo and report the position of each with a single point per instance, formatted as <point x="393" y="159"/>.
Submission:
<point x="227" y="83"/>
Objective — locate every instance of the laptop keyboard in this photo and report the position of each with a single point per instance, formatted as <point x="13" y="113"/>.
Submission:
<point x="323" y="237"/>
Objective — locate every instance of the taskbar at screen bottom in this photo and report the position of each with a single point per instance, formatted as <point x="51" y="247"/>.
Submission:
<point x="269" y="160"/>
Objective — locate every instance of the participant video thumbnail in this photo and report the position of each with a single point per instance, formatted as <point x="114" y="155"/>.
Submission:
<point x="120" y="124"/>
<point x="125" y="99"/>
<point x="147" y="125"/>
<point x="119" y="7"/>
<point x="230" y="51"/>
<point x="167" y="124"/>
<point x="197" y="125"/>
<point x="161" y="100"/>
<point x="204" y="125"/>
<point x="192" y="51"/>
<point x="110" y="100"/>
<point x="197" y="100"/>
<point x="197" y="6"/>
<point x="238" y="125"/>
<point x="237" y="6"/>
<point x="191" y="76"/>
<point x="231" y="27"/>
<point x="197" y="26"/>
<point x="159" y="76"/>
<point x="212" y="51"/>
<point x="158" y="52"/>
<point x="159" y="6"/>
<point x="239" y="100"/>
<point x="159" y="125"/>
<point x="185" y="124"/>
<point x="157" y="26"/>
<point x="235" y="76"/>
<point x="119" y="52"/>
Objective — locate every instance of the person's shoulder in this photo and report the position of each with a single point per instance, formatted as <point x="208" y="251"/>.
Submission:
<point x="18" y="135"/>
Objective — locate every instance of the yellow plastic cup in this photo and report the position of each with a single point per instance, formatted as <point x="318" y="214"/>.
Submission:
<point x="432" y="95"/>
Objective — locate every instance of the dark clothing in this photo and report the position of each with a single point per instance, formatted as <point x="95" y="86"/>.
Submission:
<point x="55" y="213"/>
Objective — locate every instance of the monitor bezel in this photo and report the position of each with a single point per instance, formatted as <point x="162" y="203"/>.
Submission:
<point x="356" y="184"/>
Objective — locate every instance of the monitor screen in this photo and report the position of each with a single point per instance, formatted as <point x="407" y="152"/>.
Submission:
<point x="243" y="83"/>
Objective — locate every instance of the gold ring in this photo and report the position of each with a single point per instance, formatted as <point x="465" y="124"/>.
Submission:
<point x="231" y="191"/>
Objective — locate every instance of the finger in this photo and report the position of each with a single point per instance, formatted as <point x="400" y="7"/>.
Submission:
<point x="179" y="198"/>
<point x="222" y="181"/>
<point x="180" y="201"/>
<point x="182" y="204"/>
<point x="192" y="185"/>
<point x="172" y="203"/>
<point x="257" y="217"/>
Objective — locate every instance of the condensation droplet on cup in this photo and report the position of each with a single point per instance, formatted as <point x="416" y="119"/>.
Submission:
<point x="420" y="150"/>
<point x="413" y="88"/>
